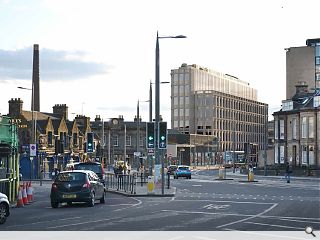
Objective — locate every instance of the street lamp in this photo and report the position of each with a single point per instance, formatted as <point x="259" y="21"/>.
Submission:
<point x="150" y="99"/>
<point x="138" y="128"/>
<point x="33" y="131"/>
<point x="157" y="106"/>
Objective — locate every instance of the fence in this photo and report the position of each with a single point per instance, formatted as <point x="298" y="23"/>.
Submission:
<point x="4" y="186"/>
<point x="121" y="182"/>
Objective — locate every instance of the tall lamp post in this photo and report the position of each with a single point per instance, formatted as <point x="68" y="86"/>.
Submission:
<point x="33" y="132"/>
<point x="157" y="106"/>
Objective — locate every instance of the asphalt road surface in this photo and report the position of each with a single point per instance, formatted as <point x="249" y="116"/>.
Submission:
<point x="200" y="204"/>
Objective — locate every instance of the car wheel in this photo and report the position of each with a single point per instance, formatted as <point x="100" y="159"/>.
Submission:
<point x="190" y="177"/>
<point x="3" y="213"/>
<point x="54" y="204"/>
<point x="92" y="200"/>
<point x="102" y="200"/>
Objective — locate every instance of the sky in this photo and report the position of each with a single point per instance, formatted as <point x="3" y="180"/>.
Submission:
<point x="98" y="56"/>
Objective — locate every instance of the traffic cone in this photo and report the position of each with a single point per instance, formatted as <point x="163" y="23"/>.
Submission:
<point x="24" y="195"/>
<point x="20" y="200"/>
<point x="29" y="192"/>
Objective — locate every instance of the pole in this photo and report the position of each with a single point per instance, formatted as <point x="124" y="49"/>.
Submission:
<point x="234" y="145"/>
<point x="138" y="131"/>
<point x="150" y="102"/>
<point x="266" y="145"/>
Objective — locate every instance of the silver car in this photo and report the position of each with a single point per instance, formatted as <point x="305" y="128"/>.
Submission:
<point x="4" y="208"/>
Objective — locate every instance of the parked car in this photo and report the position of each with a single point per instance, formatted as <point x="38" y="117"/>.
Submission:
<point x="182" y="171"/>
<point x="171" y="169"/>
<point x="4" y="208"/>
<point x="95" y="167"/>
<point x="77" y="186"/>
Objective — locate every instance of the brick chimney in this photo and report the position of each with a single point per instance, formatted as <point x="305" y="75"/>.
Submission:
<point x="61" y="109"/>
<point x="15" y="107"/>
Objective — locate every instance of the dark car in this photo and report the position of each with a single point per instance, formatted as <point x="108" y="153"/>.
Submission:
<point x="171" y="169"/>
<point x="4" y="208"/>
<point x="182" y="171"/>
<point x="77" y="186"/>
<point x="95" y="167"/>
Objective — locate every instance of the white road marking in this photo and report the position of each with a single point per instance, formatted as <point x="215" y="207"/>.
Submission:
<point x="254" y="216"/>
<point x="273" y="225"/>
<point x="132" y="205"/>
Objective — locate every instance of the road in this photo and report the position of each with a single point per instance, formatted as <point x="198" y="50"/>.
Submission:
<point x="200" y="204"/>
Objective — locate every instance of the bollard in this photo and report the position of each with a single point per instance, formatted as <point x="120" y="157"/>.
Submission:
<point x="168" y="180"/>
<point x="221" y="173"/>
<point x="250" y="176"/>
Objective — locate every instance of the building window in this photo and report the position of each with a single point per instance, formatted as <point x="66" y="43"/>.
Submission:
<point x="294" y="128"/>
<point x="281" y="154"/>
<point x="311" y="127"/>
<point x="75" y="139"/>
<point x="141" y="141"/>
<point x="304" y="155"/>
<point x="49" y="138"/>
<point x="304" y="127"/>
<point x="316" y="101"/>
<point x="128" y="140"/>
<point x="311" y="155"/>
<point x="281" y="129"/>
<point x="115" y="140"/>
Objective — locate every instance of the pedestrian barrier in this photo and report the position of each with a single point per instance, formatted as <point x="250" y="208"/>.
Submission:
<point x="20" y="200"/>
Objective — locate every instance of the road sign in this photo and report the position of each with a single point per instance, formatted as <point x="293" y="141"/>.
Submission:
<point x="33" y="150"/>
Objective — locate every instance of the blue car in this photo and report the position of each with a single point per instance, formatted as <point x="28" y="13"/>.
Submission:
<point x="182" y="171"/>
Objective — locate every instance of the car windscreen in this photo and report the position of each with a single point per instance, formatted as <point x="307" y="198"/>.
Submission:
<point x="184" y="168"/>
<point x="71" y="177"/>
<point x="92" y="167"/>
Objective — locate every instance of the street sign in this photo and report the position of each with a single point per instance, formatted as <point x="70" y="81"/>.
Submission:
<point x="33" y="150"/>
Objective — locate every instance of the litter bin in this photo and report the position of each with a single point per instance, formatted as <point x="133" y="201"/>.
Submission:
<point x="250" y="175"/>
<point x="221" y="173"/>
<point x="150" y="184"/>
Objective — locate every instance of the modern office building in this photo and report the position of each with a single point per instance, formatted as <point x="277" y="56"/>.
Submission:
<point x="206" y="102"/>
<point x="303" y="65"/>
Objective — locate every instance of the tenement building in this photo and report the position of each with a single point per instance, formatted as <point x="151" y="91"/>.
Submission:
<point x="297" y="128"/>
<point x="207" y="102"/>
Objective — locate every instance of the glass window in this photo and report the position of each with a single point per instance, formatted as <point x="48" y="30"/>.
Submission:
<point x="294" y="128"/>
<point x="75" y="139"/>
<point x="175" y="124"/>
<point x="281" y="154"/>
<point x="304" y="127"/>
<point x="276" y="130"/>
<point x="181" y="77"/>
<point x="317" y="60"/>
<point x="141" y="141"/>
<point x="181" y="89"/>
<point x="115" y="140"/>
<point x="316" y="101"/>
<point x="187" y="112"/>
<point x="181" y="101"/>
<point x="317" y="51"/>
<point x="186" y="101"/>
<point x="311" y="127"/>
<point x="175" y="112"/>
<point x="175" y="78"/>
<point x="175" y="101"/>
<point x="281" y="129"/>
<point x="49" y="138"/>
<point x="128" y="140"/>
<point x="176" y="90"/>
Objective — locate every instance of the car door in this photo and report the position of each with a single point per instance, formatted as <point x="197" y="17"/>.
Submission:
<point x="98" y="185"/>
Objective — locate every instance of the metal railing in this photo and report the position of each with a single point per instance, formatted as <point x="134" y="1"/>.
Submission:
<point x="4" y="186"/>
<point x="121" y="182"/>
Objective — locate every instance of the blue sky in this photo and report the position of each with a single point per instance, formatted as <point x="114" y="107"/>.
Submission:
<point x="98" y="56"/>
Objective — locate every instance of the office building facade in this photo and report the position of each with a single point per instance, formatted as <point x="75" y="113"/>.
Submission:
<point x="206" y="102"/>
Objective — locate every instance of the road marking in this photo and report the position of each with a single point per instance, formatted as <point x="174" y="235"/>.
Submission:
<point x="133" y="205"/>
<point x="48" y="221"/>
<point x="81" y="223"/>
<point x="197" y="185"/>
<point x="273" y="225"/>
<point x="216" y="207"/>
<point x="254" y="216"/>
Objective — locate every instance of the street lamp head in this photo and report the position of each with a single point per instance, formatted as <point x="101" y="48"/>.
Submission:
<point x="180" y="36"/>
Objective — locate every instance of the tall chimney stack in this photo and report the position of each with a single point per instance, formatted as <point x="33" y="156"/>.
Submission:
<point x="35" y="100"/>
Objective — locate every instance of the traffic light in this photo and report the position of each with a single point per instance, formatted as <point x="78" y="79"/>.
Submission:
<point x="162" y="135"/>
<point x="89" y="142"/>
<point x="150" y="135"/>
